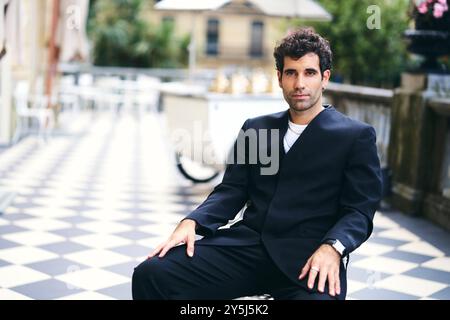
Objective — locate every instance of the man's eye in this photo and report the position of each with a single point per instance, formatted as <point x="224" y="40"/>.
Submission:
<point x="310" y="73"/>
<point x="289" y="72"/>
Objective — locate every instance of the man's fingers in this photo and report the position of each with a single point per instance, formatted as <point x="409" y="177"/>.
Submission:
<point x="166" y="248"/>
<point x="312" y="277"/>
<point x="338" y="283"/>
<point x="190" y="245"/>
<point x="305" y="269"/>
<point x="157" y="250"/>
<point x="331" y="284"/>
<point x="322" y="279"/>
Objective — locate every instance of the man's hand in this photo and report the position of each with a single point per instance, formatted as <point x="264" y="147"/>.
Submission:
<point x="324" y="262"/>
<point x="183" y="233"/>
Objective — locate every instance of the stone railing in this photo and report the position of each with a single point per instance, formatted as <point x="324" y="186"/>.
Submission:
<point x="413" y="140"/>
<point x="370" y="105"/>
<point x="437" y="159"/>
<point x="419" y="149"/>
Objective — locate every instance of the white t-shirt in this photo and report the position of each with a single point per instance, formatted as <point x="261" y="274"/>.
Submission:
<point x="292" y="133"/>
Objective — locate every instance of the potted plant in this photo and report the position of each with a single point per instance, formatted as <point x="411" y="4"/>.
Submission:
<point x="431" y="15"/>
<point x="431" y="36"/>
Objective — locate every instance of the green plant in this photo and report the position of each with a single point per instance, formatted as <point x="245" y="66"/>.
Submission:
<point x="362" y="55"/>
<point x="123" y="37"/>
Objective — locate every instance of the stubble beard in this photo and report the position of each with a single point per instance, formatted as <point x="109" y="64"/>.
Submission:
<point x="301" y="106"/>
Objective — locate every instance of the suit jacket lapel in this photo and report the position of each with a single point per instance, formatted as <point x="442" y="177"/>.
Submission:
<point x="301" y="145"/>
<point x="282" y="125"/>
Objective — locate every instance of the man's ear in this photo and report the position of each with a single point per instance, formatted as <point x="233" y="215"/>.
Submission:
<point x="326" y="77"/>
<point x="279" y="78"/>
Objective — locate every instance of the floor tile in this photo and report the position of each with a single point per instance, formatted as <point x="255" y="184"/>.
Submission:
<point x="411" y="285"/>
<point x="444" y="294"/>
<point x="56" y="266"/>
<point x="422" y="247"/>
<point x="407" y="256"/>
<point x="71" y="232"/>
<point x="101" y="241"/>
<point x="134" y="235"/>
<point x="24" y="255"/>
<point x="133" y="250"/>
<point x="104" y="227"/>
<point x="15" y="275"/>
<point x="399" y="234"/>
<point x="5" y="244"/>
<point x="367" y="276"/>
<point x="53" y="289"/>
<point x="381" y="294"/>
<point x="387" y="265"/>
<point x="93" y="279"/>
<point x="429" y="274"/>
<point x="120" y="292"/>
<point x="442" y="264"/>
<point x="33" y="238"/>
<point x="86" y="295"/>
<point x="97" y="258"/>
<point x="373" y="249"/>
<point x="126" y="269"/>
<point x="42" y="224"/>
<point x="64" y="247"/>
<point x="7" y="294"/>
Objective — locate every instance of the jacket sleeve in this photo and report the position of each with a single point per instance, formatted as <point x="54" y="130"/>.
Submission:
<point x="361" y="193"/>
<point x="228" y="197"/>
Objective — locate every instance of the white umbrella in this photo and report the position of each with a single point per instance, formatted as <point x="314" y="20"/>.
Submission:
<point x="68" y="33"/>
<point x="2" y="28"/>
<point x="11" y="30"/>
<point x="71" y="35"/>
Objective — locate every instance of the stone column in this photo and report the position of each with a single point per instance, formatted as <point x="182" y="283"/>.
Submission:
<point x="408" y="143"/>
<point x="5" y="100"/>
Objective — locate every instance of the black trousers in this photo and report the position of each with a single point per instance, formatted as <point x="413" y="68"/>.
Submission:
<point x="216" y="272"/>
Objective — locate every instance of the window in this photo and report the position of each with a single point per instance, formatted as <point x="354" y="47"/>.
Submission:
<point x="256" y="41"/>
<point x="212" y="37"/>
<point x="168" y="20"/>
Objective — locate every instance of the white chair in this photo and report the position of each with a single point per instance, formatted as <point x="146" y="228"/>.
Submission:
<point x="37" y="112"/>
<point x="109" y="94"/>
<point x="68" y="97"/>
<point x="86" y="90"/>
<point x="147" y="96"/>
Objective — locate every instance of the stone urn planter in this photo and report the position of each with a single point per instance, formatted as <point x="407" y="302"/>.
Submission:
<point x="430" y="38"/>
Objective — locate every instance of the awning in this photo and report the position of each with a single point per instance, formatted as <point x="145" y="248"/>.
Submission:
<point x="305" y="9"/>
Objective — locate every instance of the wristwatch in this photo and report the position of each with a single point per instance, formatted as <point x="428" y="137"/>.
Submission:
<point x="337" y="245"/>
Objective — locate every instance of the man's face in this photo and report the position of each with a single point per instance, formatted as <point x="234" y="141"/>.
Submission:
<point x="302" y="82"/>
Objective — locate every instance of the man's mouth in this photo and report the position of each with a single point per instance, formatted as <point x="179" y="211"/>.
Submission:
<point x="300" y="96"/>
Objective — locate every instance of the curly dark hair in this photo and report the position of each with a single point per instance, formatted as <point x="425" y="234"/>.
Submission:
<point x="300" y="42"/>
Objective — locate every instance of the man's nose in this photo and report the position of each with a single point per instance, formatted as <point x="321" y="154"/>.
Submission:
<point x="299" y="82"/>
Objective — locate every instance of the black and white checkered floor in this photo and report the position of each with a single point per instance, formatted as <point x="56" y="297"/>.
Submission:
<point x="95" y="199"/>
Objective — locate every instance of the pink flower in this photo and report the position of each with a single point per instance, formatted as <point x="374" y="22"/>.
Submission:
<point x="435" y="7"/>
<point x="423" y="8"/>
<point x="443" y="3"/>
<point x="439" y="10"/>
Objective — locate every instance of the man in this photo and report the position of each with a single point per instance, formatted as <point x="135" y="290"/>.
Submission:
<point x="300" y="223"/>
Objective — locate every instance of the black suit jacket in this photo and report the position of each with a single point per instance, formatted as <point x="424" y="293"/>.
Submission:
<point x="328" y="186"/>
